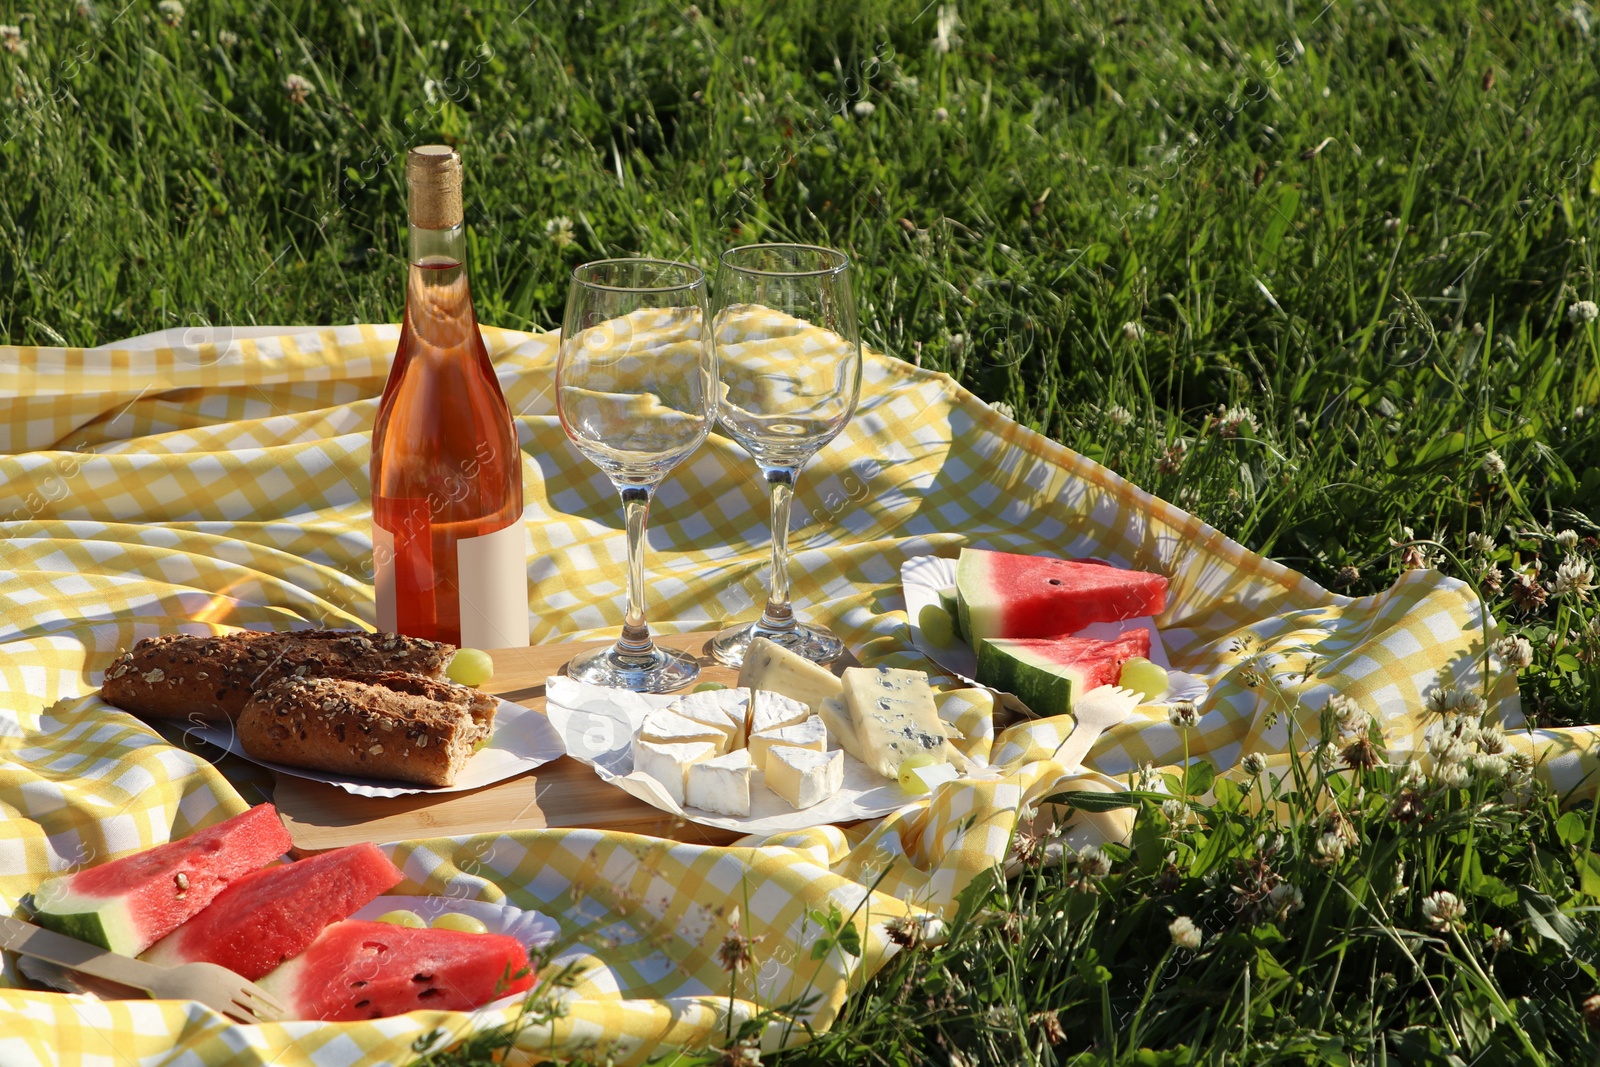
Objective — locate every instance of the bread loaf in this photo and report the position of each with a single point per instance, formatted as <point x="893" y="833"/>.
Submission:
<point x="177" y="676"/>
<point x="376" y="725"/>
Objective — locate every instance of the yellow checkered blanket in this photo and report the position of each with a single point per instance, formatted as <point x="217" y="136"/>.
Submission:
<point x="200" y="488"/>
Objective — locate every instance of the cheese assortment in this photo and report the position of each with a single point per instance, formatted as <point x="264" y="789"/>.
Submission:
<point x="788" y="727"/>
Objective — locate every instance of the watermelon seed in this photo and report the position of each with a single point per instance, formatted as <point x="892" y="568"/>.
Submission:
<point x="1055" y="581"/>
<point x="422" y="978"/>
<point x="181" y="880"/>
<point x="362" y="1003"/>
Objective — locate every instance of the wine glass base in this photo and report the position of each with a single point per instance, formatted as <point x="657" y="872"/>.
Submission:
<point x="661" y="670"/>
<point x="815" y="643"/>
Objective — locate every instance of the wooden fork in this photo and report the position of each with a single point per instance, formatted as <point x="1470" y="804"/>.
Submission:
<point x="1095" y="712"/>
<point x="212" y="985"/>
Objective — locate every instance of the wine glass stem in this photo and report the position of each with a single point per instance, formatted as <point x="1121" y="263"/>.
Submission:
<point x="635" y="639"/>
<point x="778" y="615"/>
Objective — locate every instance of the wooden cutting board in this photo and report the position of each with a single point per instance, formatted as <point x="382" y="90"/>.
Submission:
<point x="562" y="793"/>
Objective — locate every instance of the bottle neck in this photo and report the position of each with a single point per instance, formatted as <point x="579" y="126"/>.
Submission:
<point x="438" y="248"/>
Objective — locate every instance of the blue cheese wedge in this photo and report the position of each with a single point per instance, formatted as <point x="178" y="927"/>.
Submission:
<point x="894" y="717"/>
<point x="725" y="709"/>
<point x="666" y="727"/>
<point x="720" y="784"/>
<point x="772" y="667"/>
<point x="809" y="734"/>
<point x="774" y="711"/>
<point x="803" y="776"/>
<point x="669" y="764"/>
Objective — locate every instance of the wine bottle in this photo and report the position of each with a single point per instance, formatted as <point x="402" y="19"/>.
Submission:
<point x="449" y="548"/>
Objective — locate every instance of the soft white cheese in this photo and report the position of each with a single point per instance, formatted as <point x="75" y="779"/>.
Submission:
<point x="774" y="668"/>
<point x="894" y="717"/>
<point x="809" y="734"/>
<point x="669" y="764"/>
<point x="774" y="711"/>
<point x="721" y="784"/>
<point x="803" y="776"/>
<point x="725" y="709"/>
<point x="666" y="727"/>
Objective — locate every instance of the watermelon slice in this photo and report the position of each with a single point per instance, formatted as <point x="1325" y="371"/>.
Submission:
<point x="1007" y="595"/>
<point x="1047" y="675"/>
<point x="366" y="970"/>
<point x="129" y="904"/>
<point x="952" y="607"/>
<point x="266" y="917"/>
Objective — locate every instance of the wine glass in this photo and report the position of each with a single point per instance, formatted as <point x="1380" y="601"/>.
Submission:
<point x="636" y="392"/>
<point x="789" y="357"/>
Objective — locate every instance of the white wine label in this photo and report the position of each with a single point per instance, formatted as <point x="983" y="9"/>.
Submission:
<point x="493" y="572"/>
<point x="388" y="615"/>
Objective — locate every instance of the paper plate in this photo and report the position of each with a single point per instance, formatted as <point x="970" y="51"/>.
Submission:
<point x="597" y="724"/>
<point x="921" y="578"/>
<point x="523" y="739"/>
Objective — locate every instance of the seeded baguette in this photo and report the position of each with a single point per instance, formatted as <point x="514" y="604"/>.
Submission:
<point x="178" y="676"/>
<point x="376" y="725"/>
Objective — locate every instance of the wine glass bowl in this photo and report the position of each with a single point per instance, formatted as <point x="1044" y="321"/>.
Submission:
<point x="636" y="392"/>
<point x="789" y="364"/>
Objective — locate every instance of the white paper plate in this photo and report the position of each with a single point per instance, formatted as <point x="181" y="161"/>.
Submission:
<point x="523" y="739"/>
<point x="598" y="725"/>
<point x="921" y="578"/>
<point x="534" y="929"/>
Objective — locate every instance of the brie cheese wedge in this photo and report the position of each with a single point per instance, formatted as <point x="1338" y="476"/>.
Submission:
<point x="725" y="709"/>
<point x="804" y="777"/>
<point x="773" y="711"/>
<point x="809" y="734"/>
<point x="720" y="784"/>
<point x="666" y="727"/>
<point x="669" y="764"/>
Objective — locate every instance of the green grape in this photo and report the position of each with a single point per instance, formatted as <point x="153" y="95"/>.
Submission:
<point x="708" y="687"/>
<point x="403" y="918"/>
<point x="1145" y="678"/>
<point x="909" y="782"/>
<point x="936" y="625"/>
<point x="470" y="666"/>
<point x="454" y="920"/>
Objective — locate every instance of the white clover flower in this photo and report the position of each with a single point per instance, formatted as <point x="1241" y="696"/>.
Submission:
<point x="1469" y="703"/>
<point x="1574" y="578"/>
<point x="1237" y="416"/>
<point x="1327" y="756"/>
<point x="1093" y="863"/>
<point x="1440" y="700"/>
<point x="1004" y="410"/>
<point x="1567" y="540"/>
<point x="1493" y="465"/>
<point x="171" y="12"/>
<point x="941" y="115"/>
<point x="1285" y="899"/>
<point x="1499" y="940"/>
<point x="1348" y="718"/>
<point x="1254" y="763"/>
<point x="1176" y="811"/>
<point x="1490" y="767"/>
<point x="11" y="40"/>
<point x="559" y="230"/>
<point x="1145" y="778"/>
<point x="1185" y="934"/>
<point x="227" y="38"/>
<point x="945" y="29"/>
<point x="1515" y="652"/>
<point x="1452" y="775"/>
<point x="1491" y="740"/>
<point x="1330" y="849"/>
<point x="1183" y="714"/>
<point x="1132" y="330"/>
<point x="1480" y="544"/>
<point x="1583" y="312"/>
<point x="297" y="88"/>
<point x="1443" y="909"/>
<point x="1119" y="415"/>
<point x="863" y="108"/>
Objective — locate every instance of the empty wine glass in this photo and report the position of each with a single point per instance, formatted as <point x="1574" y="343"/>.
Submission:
<point x="789" y="358"/>
<point x="636" y="392"/>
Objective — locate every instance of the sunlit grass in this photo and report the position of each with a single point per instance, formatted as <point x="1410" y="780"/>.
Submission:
<point x="1314" y="273"/>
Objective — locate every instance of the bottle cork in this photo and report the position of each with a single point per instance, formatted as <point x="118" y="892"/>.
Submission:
<point x="433" y="174"/>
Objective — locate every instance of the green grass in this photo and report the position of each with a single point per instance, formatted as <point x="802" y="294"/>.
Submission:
<point x="1363" y="222"/>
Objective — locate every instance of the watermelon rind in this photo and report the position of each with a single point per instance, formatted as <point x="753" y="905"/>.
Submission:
<point x="103" y="921"/>
<point x="1047" y="688"/>
<point x="951" y="603"/>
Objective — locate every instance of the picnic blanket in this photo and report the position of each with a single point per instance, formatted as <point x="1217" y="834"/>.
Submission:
<point x="198" y="488"/>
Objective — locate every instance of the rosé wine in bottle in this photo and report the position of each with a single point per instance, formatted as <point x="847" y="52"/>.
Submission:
<point x="448" y="544"/>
